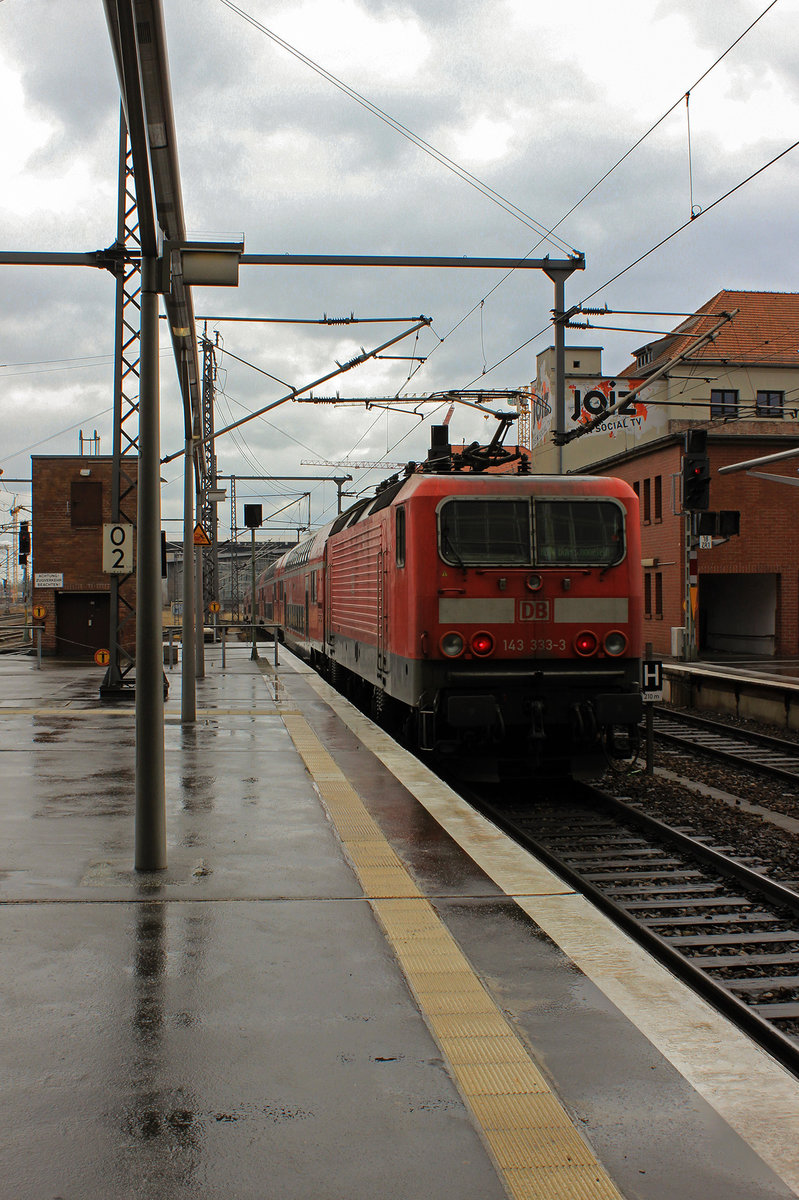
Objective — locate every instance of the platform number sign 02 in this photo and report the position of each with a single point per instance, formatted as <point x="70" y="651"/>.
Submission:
<point x="651" y="681"/>
<point x="117" y="549"/>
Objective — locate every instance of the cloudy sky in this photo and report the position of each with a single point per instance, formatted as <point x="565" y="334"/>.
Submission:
<point x="536" y="100"/>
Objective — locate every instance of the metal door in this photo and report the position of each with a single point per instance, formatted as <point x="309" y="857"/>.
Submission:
<point x="82" y="623"/>
<point x="382" y="610"/>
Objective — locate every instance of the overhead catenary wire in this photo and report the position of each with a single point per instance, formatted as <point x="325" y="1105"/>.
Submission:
<point x="658" y="245"/>
<point x="666" y="114"/>
<point x="694" y="211"/>
<point x="694" y="217"/>
<point x="683" y="96"/>
<point x="449" y="163"/>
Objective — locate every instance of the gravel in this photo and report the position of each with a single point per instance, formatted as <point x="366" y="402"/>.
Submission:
<point x="709" y="799"/>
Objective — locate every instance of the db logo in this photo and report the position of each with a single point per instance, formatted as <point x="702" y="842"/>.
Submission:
<point x="533" y="610"/>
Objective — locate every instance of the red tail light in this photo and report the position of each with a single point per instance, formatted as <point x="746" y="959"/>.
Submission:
<point x="586" y="642"/>
<point x="482" y="644"/>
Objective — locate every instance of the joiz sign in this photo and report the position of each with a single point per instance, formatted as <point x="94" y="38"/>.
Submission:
<point x="595" y="396"/>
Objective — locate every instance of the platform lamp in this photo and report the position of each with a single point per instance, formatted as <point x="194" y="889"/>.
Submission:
<point x="253" y="519"/>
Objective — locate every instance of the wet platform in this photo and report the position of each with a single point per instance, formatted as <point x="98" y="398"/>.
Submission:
<point x="345" y="985"/>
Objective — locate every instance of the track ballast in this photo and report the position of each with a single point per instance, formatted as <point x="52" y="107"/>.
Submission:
<point x="716" y="921"/>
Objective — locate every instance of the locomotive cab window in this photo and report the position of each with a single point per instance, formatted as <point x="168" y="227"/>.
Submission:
<point x="578" y="533"/>
<point x="499" y="532"/>
<point x="478" y="532"/>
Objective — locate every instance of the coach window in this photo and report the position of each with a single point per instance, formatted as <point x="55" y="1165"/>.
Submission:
<point x="658" y="498"/>
<point x="647" y="518"/>
<point x="399" y="540"/>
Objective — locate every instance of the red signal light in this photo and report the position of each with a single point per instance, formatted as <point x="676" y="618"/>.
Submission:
<point x="482" y="644"/>
<point x="586" y="642"/>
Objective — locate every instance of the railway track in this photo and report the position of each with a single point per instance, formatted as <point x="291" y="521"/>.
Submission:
<point x="11" y="631"/>
<point x="760" y="752"/>
<point x="717" y="922"/>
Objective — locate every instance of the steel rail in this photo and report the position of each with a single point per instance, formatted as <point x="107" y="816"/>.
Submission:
<point x="783" y="1048"/>
<point x="746" y="742"/>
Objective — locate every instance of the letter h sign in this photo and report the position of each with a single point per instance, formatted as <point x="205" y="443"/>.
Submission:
<point x="651" y="681"/>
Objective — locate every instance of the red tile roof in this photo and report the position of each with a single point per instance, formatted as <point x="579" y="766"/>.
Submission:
<point x="764" y="331"/>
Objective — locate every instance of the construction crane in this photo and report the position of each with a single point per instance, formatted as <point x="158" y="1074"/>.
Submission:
<point x="352" y="462"/>
<point x="14" y="512"/>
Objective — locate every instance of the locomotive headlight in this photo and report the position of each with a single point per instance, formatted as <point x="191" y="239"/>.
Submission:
<point x="615" y="643"/>
<point x="482" y="644"/>
<point x="451" y="644"/>
<point x="534" y="582"/>
<point x="586" y="642"/>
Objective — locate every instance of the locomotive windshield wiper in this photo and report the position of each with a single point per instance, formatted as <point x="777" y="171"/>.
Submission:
<point x="446" y="542"/>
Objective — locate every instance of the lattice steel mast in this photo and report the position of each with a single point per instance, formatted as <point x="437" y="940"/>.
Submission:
<point x="127" y="342"/>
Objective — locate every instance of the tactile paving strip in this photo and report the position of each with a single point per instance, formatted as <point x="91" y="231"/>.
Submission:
<point x="539" y="1153"/>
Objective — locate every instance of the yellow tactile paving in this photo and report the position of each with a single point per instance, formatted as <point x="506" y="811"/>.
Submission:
<point x="530" y="1111"/>
<point x="539" y="1153"/>
<point x="464" y="1004"/>
<point x="505" y="1079"/>
<point x="566" y="1183"/>
<point x="468" y="1025"/>
<point x="386" y="884"/>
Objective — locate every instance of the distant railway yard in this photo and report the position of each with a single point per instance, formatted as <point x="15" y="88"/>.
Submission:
<point x="12" y="631"/>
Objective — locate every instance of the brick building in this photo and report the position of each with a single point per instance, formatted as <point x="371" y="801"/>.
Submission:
<point x="71" y="504"/>
<point x="742" y="388"/>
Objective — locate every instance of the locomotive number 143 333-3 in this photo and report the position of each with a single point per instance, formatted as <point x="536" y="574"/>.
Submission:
<point x="529" y="645"/>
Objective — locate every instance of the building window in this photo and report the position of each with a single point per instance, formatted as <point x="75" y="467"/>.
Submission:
<point x="647" y="595"/>
<point x="659" y="594"/>
<point x="658" y="497"/>
<point x="86" y="503"/>
<point x="723" y="402"/>
<point x="637" y="489"/>
<point x="769" y="404"/>
<point x="647" y="502"/>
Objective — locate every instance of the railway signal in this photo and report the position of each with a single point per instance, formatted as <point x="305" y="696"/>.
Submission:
<point x="696" y="472"/>
<point x="24" y="543"/>
<point x="723" y="524"/>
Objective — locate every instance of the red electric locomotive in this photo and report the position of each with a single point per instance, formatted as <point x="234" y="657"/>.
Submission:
<point x="500" y="614"/>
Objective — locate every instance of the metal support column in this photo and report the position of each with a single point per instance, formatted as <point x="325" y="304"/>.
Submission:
<point x="208" y="510"/>
<point x="254" y="655"/>
<point x="118" y="681"/>
<point x="235" y="597"/>
<point x="199" y="614"/>
<point x="150" y="836"/>
<point x="558" y="278"/>
<point x="188" y="706"/>
<point x="691" y="584"/>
